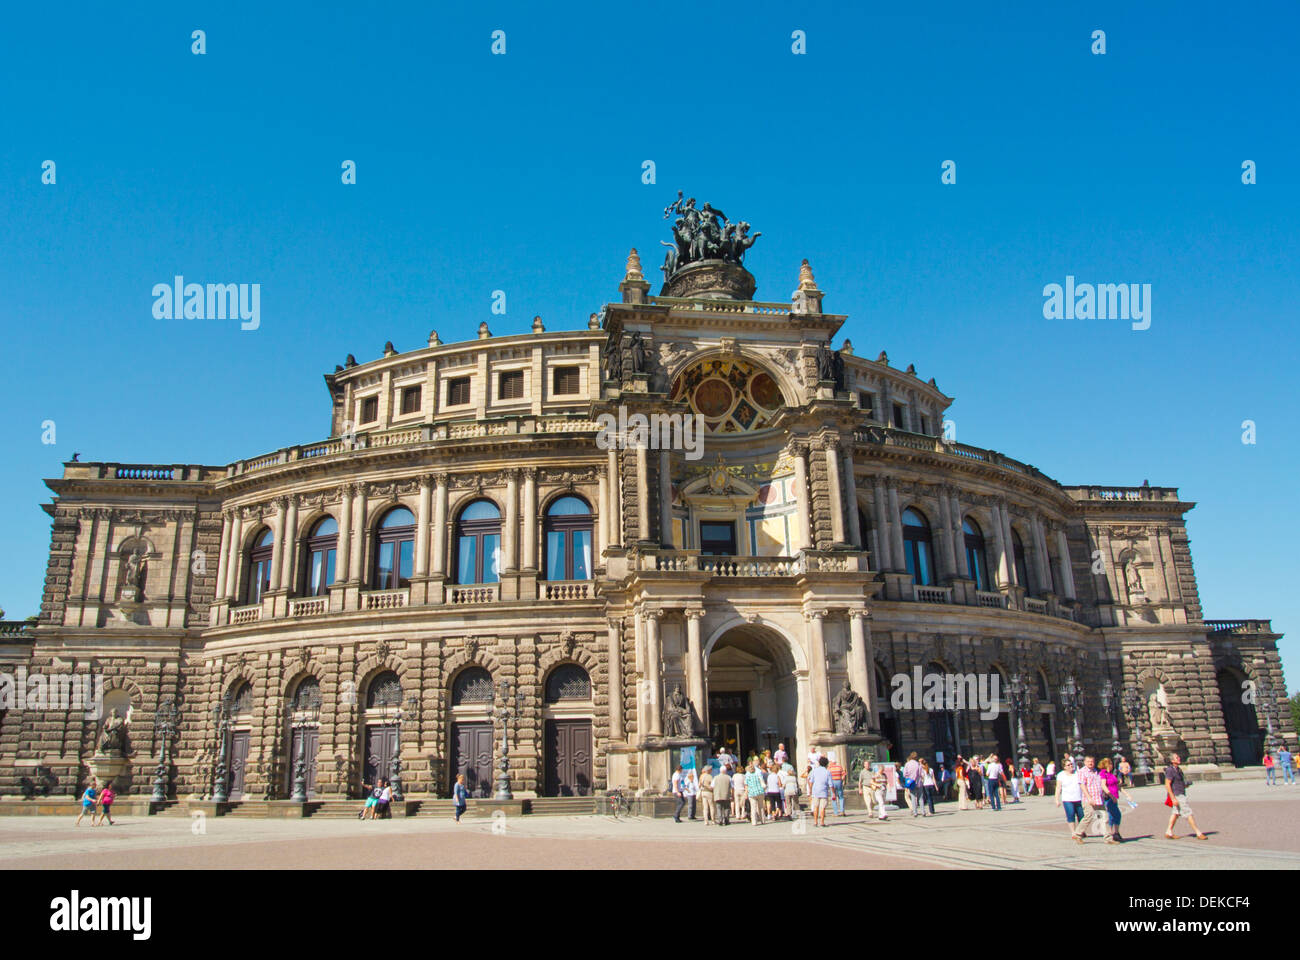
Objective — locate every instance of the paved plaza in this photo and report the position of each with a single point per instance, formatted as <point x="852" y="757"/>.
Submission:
<point x="1250" y="827"/>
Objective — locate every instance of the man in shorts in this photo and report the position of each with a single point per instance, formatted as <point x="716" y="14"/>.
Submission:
<point x="819" y="788"/>
<point x="1176" y="787"/>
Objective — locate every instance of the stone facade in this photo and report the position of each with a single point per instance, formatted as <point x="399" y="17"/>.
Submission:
<point x="827" y="577"/>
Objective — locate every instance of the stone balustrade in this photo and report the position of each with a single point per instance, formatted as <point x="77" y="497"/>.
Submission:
<point x="991" y="598"/>
<point x="932" y="594"/>
<point x="564" y="590"/>
<point x="242" y="615"/>
<point x="309" y="607"/>
<point x="1239" y="626"/>
<point x="473" y="595"/>
<point x="385" y="599"/>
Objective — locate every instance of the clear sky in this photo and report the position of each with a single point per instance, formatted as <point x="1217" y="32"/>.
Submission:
<point x="523" y="172"/>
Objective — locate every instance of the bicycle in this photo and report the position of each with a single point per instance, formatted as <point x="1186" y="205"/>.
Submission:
<point x="619" y="804"/>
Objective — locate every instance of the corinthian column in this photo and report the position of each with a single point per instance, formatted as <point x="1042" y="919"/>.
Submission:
<point x="802" y="525"/>
<point x="358" y="534"/>
<point x="653" y="654"/>
<point x="232" y="567"/>
<point x="511" y="531"/>
<point x="287" y="563"/>
<point x="422" y="527"/>
<point x="1066" y="568"/>
<point x="530" y="519"/>
<point x="277" y="542"/>
<point x="642" y="495"/>
<point x="440" y="526"/>
<point x="616" y="728"/>
<point x="836" y="493"/>
<point x="861" y="660"/>
<point x="615" y="500"/>
<point x="223" y="556"/>
<point x="821" y="704"/>
<point x="665" y="499"/>
<point x="343" y="562"/>
<point x="695" y="663"/>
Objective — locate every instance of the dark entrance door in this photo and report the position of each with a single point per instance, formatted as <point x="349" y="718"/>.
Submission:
<point x="1245" y="738"/>
<point x="381" y="748"/>
<point x="238" y="764"/>
<point x="889" y="730"/>
<point x="730" y="726"/>
<point x="1048" y="738"/>
<point x="568" y="758"/>
<point x="943" y="738"/>
<point x="471" y="754"/>
<point x="306" y="739"/>
<point x="1002" y="734"/>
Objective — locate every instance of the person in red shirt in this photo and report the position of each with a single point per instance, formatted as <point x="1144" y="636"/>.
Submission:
<point x="106" y="798"/>
<point x="837" y="786"/>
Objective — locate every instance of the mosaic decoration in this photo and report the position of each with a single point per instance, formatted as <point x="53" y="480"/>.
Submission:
<point x="733" y="396"/>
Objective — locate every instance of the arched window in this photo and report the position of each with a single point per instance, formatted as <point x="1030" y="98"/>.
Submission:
<point x="322" y="548"/>
<point x="385" y="691"/>
<point x="568" y="540"/>
<point x="917" y="548"/>
<point x="259" y="565"/>
<point x="473" y="685"/>
<point x="394" y="549"/>
<point x="241" y="704"/>
<point x="864" y="530"/>
<point x="478" y="543"/>
<point x="568" y="682"/>
<point x="307" y="695"/>
<point x="976" y="558"/>
<point x="1018" y="551"/>
<point x="1043" y="695"/>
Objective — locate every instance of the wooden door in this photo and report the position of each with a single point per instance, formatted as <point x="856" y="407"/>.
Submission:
<point x="308" y="740"/>
<point x="471" y="755"/>
<point x="238" y="765"/>
<point x="568" y="758"/>
<point x="381" y="748"/>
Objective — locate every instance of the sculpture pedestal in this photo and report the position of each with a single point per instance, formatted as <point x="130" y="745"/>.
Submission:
<point x="659" y="758"/>
<point x="105" y="767"/>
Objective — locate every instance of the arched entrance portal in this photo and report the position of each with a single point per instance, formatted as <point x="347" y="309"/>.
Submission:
<point x="1245" y="738"/>
<point x="754" y="687"/>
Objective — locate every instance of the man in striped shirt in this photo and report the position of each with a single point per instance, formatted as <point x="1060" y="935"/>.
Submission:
<point x="837" y="786"/>
<point x="1093" y="804"/>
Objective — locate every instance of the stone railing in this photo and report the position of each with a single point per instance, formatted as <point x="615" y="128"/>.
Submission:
<point x="385" y="599"/>
<point x="990" y="598"/>
<point x="1239" y="626"/>
<point x="309" y="607"/>
<point x="722" y="306"/>
<point x="893" y="437"/>
<point x="15" y="629"/>
<point x="1034" y="605"/>
<point x="1123" y="493"/>
<point x="564" y="590"/>
<point x="242" y="615"/>
<point x="486" y="593"/>
<point x="932" y="594"/>
<point x="749" y="566"/>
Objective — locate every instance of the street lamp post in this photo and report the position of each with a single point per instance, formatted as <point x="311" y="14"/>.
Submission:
<point x="1108" y="703"/>
<point x="221" y="714"/>
<point x="1020" y="701"/>
<point x="506" y="711"/>
<point x="1267" y="697"/>
<point x="412" y="704"/>
<point x="1133" y="706"/>
<point x="164" y="724"/>
<point x="1072" y="703"/>
<point x="300" y="717"/>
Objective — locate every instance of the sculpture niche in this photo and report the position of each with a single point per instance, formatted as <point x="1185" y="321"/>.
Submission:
<point x="678" y="724"/>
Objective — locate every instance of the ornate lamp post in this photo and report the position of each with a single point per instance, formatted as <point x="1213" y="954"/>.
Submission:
<point x="1108" y="703"/>
<point x="512" y="701"/>
<point x="412" y="705"/>
<point x="221" y="715"/>
<point x="164" y="725"/>
<point x="1020" y="701"/>
<point x="1133" y="708"/>
<point x="1267" y="698"/>
<point x="300" y="717"/>
<point x="1072" y="703"/>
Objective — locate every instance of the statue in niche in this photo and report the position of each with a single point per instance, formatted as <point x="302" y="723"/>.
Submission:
<point x="113" y="742"/>
<point x="134" y="573"/>
<point x="850" y="711"/>
<point x="1133" y="579"/>
<point x="677" y="715"/>
<point x="638" y="353"/>
<point x="614" y="362"/>
<point x="1158" y="709"/>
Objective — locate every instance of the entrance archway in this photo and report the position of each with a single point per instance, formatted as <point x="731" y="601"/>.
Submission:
<point x="755" y="683"/>
<point x="1245" y="738"/>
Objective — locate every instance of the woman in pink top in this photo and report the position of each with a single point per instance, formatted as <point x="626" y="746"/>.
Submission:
<point x="106" y="798"/>
<point x="1111" y="791"/>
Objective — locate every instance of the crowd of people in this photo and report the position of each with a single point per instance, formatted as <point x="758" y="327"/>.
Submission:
<point x="765" y="788"/>
<point x="1284" y="761"/>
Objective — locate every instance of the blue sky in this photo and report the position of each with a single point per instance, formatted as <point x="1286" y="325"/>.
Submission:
<point x="522" y="172"/>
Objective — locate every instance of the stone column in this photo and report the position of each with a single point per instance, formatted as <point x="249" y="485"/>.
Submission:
<point x="642" y="495"/>
<point x="530" y="519"/>
<point x="960" y="565"/>
<point x="851" y="496"/>
<point x="290" y="546"/>
<point x="665" y="499"/>
<point x="803" y="521"/>
<point x="1002" y="547"/>
<point x="223" y="557"/>
<point x="1067" y="569"/>
<point x="277" y="542"/>
<point x="653" y="655"/>
<point x="947" y="546"/>
<point x="883" y="538"/>
<point x="615" y="499"/>
<point x="616" y="727"/>
<point x="695" y="666"/>
<point x="862" y="660"/>
<point x="343" y="561"/>
<point x="1044" y="556"/>
<point x="896" y="530"/>
<point x="358" y="534"/>
<point x="602" y="507"/>
<point x="422" y="526"/>
<point x="511" y="531"/>
<point x="440" y="526"/>
<point x="1011" y="546"/>
<point x="232" y="567"/>
<point x="821" y="704"/>
<point x="836" y="493"/>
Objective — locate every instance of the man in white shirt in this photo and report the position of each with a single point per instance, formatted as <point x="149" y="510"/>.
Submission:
<point x="692" y="790"/>
<point x="738" y="795"/>
<point x="993" y="782"/>
<point x="678" y="792"/>
<point x="912" y="780"/>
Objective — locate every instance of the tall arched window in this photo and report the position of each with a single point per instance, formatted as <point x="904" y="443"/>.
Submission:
<point x="864" y="530"/>
<point x="322" y="548"/>
<point x="307" y="696"/>
<point x="1018" y="552"/>
<point x="568" y="540"/>
<point x="259" y="565"/>
<point x="478" y="543"/>
<point x="917" y="548"/>
<point x="241" y="704"/>
<point x="976" y="558"/>
<point x="568" y="682"/>
<point x="394" y="549"/>
<point x="472" y="685"/>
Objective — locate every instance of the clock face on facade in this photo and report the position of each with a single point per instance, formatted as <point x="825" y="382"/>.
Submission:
<point x="733" y="396"/>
